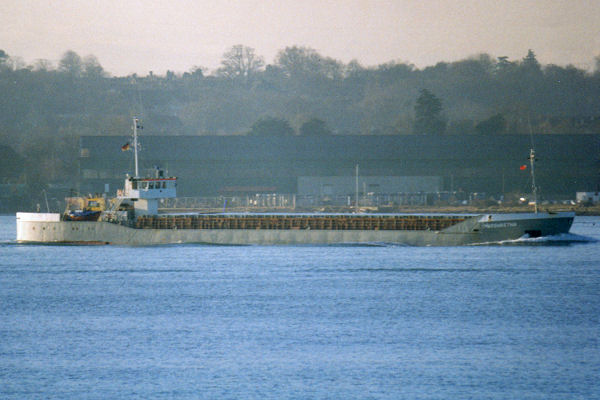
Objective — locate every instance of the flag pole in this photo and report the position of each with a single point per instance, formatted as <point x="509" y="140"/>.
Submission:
<point x="356" y="190"/>
<point x="135" y="145"/>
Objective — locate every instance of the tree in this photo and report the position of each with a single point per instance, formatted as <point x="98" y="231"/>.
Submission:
<point x="71" y="64"/>
<point x="296" y="60"/>
<point x="42" y="65"/>
<point x="240" y="63"/>
<point x="353" y="69"/>
<point x="4" y="60"/>
<point x="530" y="62"/>
<point x="315" y="127"/>
<point x="303" y="61"/>
<point x="92" y="68"/>
<point x="270" y="126"/>
<point x="197" y="72"/>
<point x="428" y="114"/>
<point x="503" y="63"/>
<point x="170" y="75"/>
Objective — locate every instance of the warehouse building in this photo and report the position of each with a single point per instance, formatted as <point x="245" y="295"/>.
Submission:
<point x="326" y="166"/>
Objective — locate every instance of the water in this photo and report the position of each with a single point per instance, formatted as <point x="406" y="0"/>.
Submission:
<point x="323" y="322"/>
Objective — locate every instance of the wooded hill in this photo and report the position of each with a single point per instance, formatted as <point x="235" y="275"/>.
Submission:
<point x="44" y="108"/>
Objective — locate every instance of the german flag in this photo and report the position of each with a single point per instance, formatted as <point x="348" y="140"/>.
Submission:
<point x="125" y="147"/>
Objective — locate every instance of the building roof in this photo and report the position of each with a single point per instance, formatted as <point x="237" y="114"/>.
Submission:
<point x="408" y="147"/>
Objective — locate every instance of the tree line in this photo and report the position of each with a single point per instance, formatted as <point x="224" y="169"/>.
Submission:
<point x="45" y="108"/>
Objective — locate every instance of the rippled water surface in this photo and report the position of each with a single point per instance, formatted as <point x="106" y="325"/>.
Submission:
<point x="383" y="322"/>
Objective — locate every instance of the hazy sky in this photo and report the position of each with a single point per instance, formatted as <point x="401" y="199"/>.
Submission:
<point x="142" y="35"/>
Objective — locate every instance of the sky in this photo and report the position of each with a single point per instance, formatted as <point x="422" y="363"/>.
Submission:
<point x="138" y="36"/>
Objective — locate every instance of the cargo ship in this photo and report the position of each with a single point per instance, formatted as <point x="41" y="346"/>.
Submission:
<point x="133" y="218"/>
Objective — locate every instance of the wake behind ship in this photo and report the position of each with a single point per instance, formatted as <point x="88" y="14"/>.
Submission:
<point x="134" y="219"/>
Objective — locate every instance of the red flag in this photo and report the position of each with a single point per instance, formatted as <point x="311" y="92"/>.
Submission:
<point x="523" y="167"/>
<point x="125" y="147"/>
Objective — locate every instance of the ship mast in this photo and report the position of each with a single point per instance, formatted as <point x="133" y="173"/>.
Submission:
<point x="135" y="145"/>
<point x="532" y="162"/>
<point x="533" y="187"/>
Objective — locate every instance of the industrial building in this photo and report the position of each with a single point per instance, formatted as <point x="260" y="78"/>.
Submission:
<point x="325" y="167"/>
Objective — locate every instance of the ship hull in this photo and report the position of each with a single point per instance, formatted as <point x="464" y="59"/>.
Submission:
<point x="479" y="229"/>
